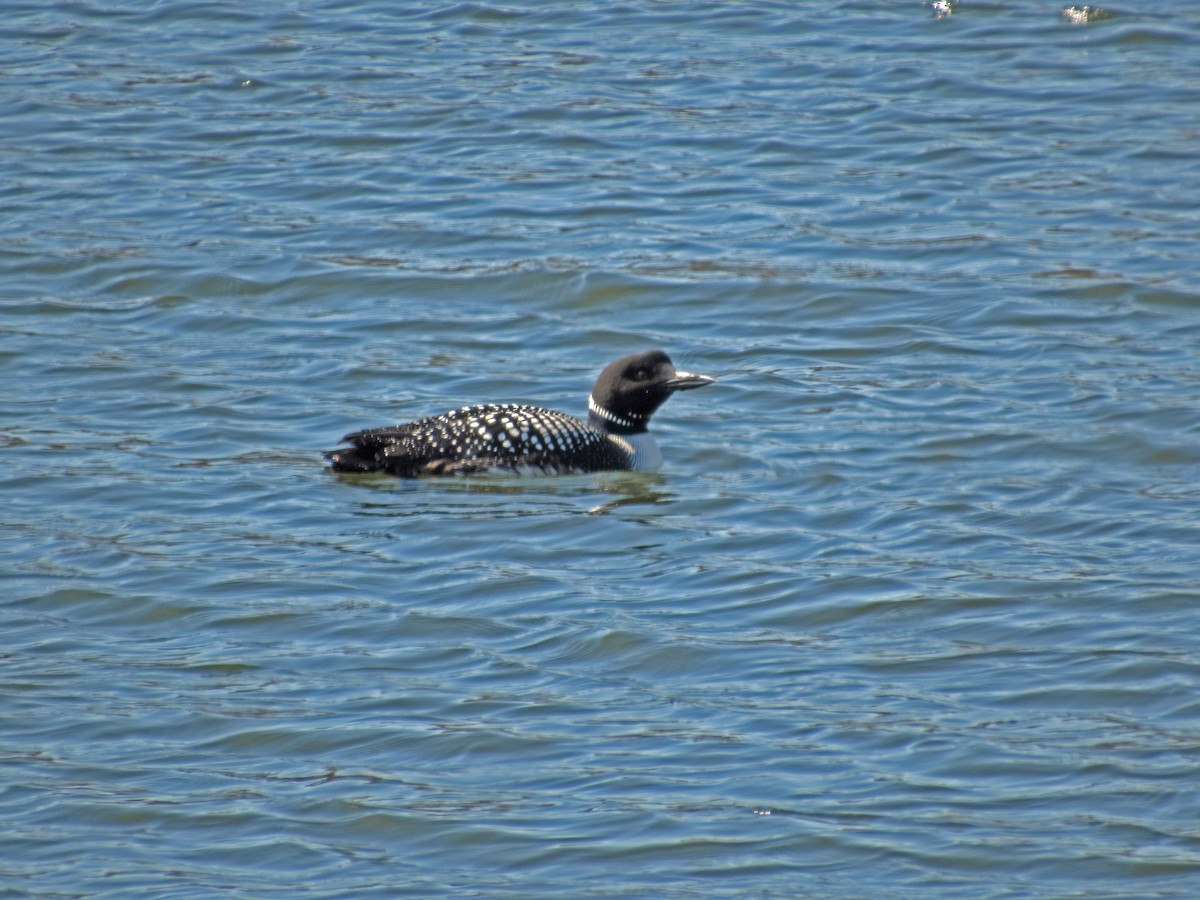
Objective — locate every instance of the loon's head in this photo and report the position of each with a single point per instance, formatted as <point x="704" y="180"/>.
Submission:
<point x="628" y="391"/>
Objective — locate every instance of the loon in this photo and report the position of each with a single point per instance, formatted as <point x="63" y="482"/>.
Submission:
<point x="516" y="438"/>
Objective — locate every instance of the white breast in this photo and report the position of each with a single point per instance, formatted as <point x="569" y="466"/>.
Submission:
<point x="642" y="448"/>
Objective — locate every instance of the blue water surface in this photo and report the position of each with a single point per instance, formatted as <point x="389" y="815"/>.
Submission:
<point x="912" y="608"/>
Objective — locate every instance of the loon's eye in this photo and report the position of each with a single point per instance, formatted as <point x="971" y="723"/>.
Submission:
<point x="640" y="375"/>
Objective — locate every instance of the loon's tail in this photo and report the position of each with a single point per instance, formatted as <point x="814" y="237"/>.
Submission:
<point x="352" y="459"/>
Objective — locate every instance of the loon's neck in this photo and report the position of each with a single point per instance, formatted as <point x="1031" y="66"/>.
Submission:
<point x="611" y="423"/>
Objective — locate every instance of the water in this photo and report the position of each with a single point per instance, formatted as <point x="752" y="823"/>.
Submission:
<point x="911" y="609"/>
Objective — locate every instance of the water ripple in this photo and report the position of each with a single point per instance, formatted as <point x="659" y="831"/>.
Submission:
<point x="910" y="609"/>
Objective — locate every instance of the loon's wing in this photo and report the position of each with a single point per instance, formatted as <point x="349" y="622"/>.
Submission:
<point x="478" y="438"/>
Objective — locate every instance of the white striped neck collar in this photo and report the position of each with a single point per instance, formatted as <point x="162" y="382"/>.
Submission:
<point x="610" y="419"/>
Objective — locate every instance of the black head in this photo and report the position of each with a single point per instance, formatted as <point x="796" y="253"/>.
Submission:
<point x="628" y="391"/>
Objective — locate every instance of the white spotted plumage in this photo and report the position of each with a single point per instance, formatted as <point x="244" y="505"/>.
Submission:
<point x="508" y="436"/>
